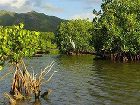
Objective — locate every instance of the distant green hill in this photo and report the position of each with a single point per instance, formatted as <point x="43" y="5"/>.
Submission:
<point x="32" y="20"/>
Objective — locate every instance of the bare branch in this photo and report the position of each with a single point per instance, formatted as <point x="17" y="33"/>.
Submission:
<point x="49" y="77"/>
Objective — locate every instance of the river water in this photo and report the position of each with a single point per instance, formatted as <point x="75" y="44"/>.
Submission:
<point x="82" y="81"/>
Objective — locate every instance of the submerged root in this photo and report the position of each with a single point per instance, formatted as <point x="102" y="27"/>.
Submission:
<point x="120" y="56"/>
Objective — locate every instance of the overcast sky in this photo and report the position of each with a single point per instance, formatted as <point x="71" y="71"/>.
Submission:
<point x="66" y="9"/>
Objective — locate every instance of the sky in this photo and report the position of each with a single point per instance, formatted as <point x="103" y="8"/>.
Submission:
<point x="65" y="9"/>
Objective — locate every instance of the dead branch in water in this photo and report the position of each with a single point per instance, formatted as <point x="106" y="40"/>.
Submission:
<point x="49" y="78"/>
<point x="26" y="83"/>
<point x="12" y="101"/>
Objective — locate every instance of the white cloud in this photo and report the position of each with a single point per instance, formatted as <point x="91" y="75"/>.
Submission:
<point x="6" y="1"/>
<point x="89" y="16"/>
<point x="18" y="3"/>
<point x="53" y="8"/>
<point x="29" y="5"/>
<point x="47" y="6"/>
<point x="13" y="3"/>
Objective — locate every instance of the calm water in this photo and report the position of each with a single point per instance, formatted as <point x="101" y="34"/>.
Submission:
<point x="82" y="81"/>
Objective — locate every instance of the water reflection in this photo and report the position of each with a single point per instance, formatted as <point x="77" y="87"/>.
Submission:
<point x="82" y="81"/>
<point x="37" y="102"/>
<point x="115" y="83"/>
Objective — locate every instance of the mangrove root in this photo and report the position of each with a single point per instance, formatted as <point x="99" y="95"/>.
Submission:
<point x="25" y="83"/>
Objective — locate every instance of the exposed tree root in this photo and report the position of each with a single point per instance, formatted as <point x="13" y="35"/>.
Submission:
<point x="25" y="84"/>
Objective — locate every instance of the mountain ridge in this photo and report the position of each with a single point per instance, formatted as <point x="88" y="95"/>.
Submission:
<point x="33" y="20"/>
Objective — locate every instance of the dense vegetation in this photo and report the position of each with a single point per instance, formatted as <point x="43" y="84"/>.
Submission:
<point x="46" y="42"/>
<point x="113" y="34"/>
<point x="16" y="44"/>
<point x="32" y="20"/>
<point x="75" y="37"/>
<point x="117" y="32"/>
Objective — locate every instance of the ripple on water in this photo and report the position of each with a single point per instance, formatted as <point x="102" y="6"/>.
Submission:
<point x="82" y="81"/>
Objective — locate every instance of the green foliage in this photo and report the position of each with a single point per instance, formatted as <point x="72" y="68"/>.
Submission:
<point x="32" y="20"/>
<point x="118" y="28"/>
<point x="1" y="67"/>
<point x="75" y="36"/>
<point x="46" y="41"/>
<point x="16" y="43"/>
<point x="54" y="51"/>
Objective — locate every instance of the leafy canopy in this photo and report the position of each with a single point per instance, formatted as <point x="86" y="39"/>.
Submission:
<point x="75" y="36"/>
<point x="118" y="28"/>
<point x="46" y="41"/>
<point x="16" y="43"/>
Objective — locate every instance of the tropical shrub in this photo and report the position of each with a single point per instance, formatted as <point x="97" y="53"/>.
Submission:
<point x="75" y="36"/>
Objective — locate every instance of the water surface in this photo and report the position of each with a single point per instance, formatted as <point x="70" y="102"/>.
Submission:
<point x="82" y="81"/>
